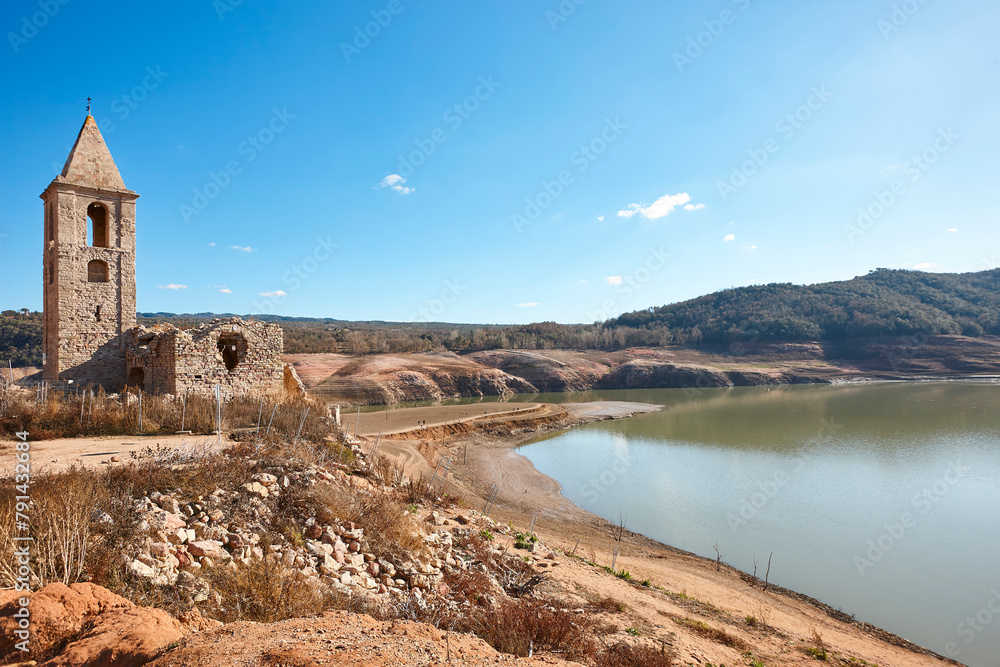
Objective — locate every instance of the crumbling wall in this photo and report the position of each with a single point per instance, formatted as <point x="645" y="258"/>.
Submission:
<point x="241" y="357"/>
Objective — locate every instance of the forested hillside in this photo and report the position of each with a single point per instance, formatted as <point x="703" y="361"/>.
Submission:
<point x="20" y="338"/>
<point x="883" y="303"/>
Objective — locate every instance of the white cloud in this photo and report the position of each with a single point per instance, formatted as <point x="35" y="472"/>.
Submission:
<point x="600" y="218"/>
<point x="728" y="238"/>
<point x="660" y="208"/>
<point x="693" y="207"/>
<point x="581" y="281"/>
<point x="211" y="244"/>
<point x="529" y="304"/>
<point x="226" y="290"/>
<point x="753" y="247"/>
<point x="242" y="248"/>
<point x="395" y="182"/>
<point x="924" y="265"/>
<point x="953" y="230"/>
<point x="275" y="294"/>
<point x="613" y="280"/>
<point x="174" y="286"/>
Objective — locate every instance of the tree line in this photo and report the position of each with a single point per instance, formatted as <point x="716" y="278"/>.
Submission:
<point x="882" y="303"/>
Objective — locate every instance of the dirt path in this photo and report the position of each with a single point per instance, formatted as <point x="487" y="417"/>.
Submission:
<point x="408" y="419"/>
<point x="57" y="455"/>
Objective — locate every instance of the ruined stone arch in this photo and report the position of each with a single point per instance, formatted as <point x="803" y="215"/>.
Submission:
<point x="233" y="348"/>
<point x="98" y="232"/>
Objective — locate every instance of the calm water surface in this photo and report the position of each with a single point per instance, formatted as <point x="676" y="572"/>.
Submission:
<point x="882" y="500"/>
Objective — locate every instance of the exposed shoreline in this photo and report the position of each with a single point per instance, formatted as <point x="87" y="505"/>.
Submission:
<point x="489" y="455"/>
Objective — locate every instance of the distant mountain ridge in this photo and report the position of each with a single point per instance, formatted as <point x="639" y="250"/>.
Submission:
<point x="885" y="302"/>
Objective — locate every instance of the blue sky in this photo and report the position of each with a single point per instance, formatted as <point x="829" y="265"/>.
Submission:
<point x="508" y="162"/>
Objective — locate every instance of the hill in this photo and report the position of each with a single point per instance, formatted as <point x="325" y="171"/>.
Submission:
<point x="883" y="303"/>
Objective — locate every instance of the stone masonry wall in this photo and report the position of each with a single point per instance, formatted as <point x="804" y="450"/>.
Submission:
<point x="175" y="361"/>
<point x="81" y="343"/>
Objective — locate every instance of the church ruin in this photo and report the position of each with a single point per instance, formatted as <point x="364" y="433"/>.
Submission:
<point x="90" y="333"/>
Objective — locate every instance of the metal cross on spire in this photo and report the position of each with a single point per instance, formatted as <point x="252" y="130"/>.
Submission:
<point x="88" y="106"/>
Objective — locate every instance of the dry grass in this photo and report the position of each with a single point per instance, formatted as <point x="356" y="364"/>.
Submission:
<point x="634" y="655"/>
<point x="73" y="414"/>
<point x="608" y="605"/>
<point x="715" y="634"/>
<point x="264" y="592"/>
<point x="389" y="528"/>
<point x="522" y="626"/>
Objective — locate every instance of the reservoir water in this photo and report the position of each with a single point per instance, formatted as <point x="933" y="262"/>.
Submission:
<point x="882" y="500"/>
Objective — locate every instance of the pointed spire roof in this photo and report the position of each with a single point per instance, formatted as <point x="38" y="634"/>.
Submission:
<point x="90" y="163"/>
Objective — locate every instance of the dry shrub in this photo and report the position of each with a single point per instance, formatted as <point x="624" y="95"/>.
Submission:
<point x="472" y="586"/>
<point x="521" y="626"/>
<point x="76" y="413"/>
<point x="196" y="471"/>
<point x="61" y="523"/>
<point x="264" y="592"/>
<point x="608" y="605"/>
<point x="633" y="655"/>
<point x="389" y="528"/>
<point x="715" y="634"/>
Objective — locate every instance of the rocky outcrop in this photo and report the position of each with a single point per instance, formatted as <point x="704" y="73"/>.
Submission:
<point x="544" y="371"/>
<point x="647" y="374"/>
<point x="89" y="626"/>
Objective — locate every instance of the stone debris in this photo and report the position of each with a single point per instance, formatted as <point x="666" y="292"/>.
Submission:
<point x="186" y="538"/>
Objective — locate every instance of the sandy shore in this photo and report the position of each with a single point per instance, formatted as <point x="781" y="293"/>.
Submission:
<point x="681" y="582"/>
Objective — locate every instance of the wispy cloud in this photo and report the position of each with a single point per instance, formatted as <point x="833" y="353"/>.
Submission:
<point x="953" y="230"/>
<point x="174" y="286"/>
<point x="600" y="218"/>
<point x="242" y="248"/>
<point x="753" y="247"/>
<point x="613" y="280"/>
<point x="729" y="237"/>
<point x="395" y="182"/>
<point x="226" y="290"/>
<point x="211" y="244"/>
<point x="693" y="207"/>
<point x="660" y="208"/>
<point x="275" y="293"/>
<point x="529" y="304"/>
<point x="582" y="281"/>
<point x="923" y="266"/>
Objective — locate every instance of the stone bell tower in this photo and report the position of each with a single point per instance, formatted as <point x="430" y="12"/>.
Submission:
<point x="89" y="266"/>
